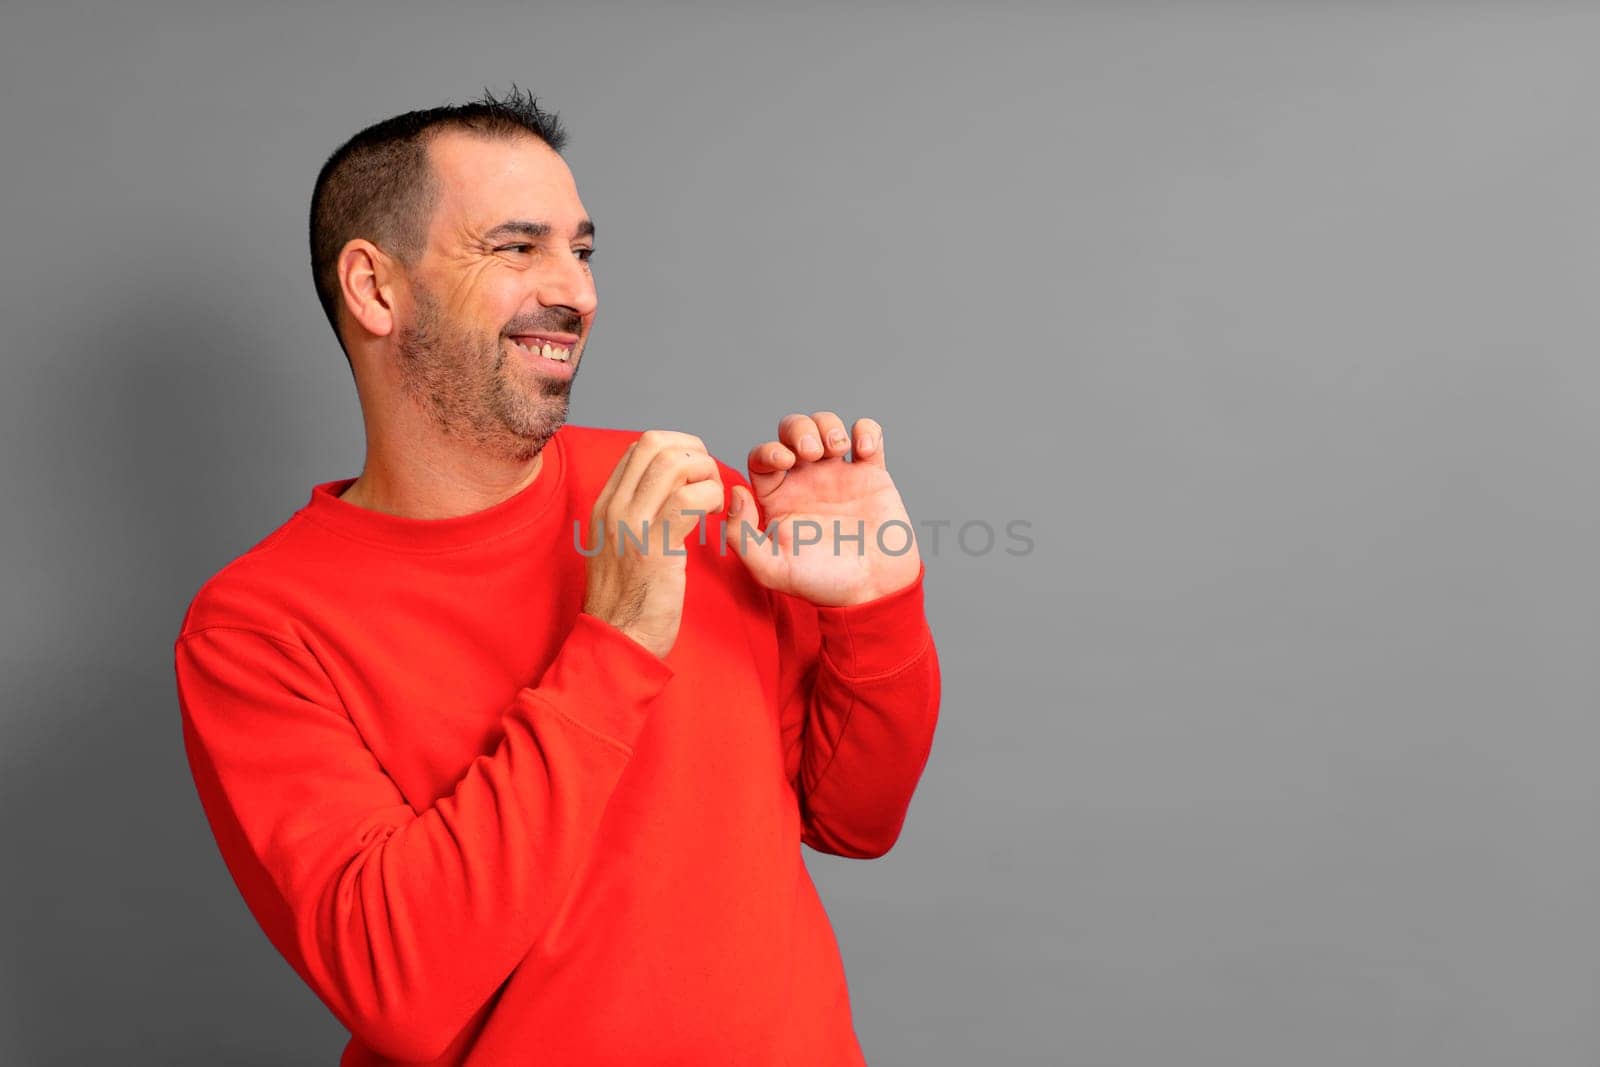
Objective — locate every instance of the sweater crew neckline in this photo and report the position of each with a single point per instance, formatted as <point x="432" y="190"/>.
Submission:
<point x="327" y="509"/>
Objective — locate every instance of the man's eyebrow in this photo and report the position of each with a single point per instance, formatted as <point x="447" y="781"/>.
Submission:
<point x="528" y="228"/>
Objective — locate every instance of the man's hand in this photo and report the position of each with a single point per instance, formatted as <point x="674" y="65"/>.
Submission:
<point x="638" y="590"/>
<point x="818" y="503"/>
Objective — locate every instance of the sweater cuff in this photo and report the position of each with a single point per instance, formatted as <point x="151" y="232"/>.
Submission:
<point x="879" y="637"/>
<point x="604" y="679"/>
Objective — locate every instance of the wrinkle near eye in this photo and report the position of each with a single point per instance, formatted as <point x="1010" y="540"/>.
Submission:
<point x="467" y="275"/>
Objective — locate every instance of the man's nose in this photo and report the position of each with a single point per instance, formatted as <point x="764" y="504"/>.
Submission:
<point x="568" y="284"/>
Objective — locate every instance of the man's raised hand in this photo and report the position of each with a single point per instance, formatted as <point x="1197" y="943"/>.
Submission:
<point x="814" y="503"/>
<point x="658" y="493"/>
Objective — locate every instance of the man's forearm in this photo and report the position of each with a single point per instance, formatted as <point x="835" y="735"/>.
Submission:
<point x="402" y="922"/>
<point x="872" y="705"/>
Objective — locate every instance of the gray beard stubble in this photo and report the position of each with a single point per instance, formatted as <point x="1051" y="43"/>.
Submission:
<point x="467" y="393"/>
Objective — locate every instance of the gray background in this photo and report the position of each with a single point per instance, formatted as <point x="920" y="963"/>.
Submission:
<point x="1275" y="321"/>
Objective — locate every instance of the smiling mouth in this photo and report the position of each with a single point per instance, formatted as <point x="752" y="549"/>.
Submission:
<point x="543" y="346"/>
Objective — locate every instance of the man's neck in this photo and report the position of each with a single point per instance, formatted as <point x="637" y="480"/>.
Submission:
<point x="440" y="486"/>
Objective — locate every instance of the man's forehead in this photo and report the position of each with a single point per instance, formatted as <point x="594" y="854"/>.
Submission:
<point x="484" y="182"/>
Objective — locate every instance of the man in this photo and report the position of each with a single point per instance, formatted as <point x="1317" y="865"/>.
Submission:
<point x="510" y="743"/>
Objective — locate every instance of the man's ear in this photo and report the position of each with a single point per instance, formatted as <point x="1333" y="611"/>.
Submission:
<point x="367" y="283"/>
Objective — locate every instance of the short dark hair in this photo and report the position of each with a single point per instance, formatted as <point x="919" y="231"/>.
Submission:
<point x="379" y="184"/>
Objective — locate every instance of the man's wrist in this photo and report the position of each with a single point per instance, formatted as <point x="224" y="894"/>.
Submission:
<point x="879" y="636"/>
<point x="870" y="593"/>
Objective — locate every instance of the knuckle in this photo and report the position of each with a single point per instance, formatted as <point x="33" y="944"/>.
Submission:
<point x="692" y="491"/>
<point x="677" y="439"/>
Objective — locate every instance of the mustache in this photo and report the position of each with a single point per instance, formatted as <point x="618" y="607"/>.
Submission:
<point x="560" y="323"/>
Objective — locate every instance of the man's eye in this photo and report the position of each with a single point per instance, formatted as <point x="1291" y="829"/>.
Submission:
<point x="515" y="248"/>
<point x="585" y="254"/>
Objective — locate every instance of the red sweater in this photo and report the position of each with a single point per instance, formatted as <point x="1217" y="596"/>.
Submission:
<point x="487" y="828"/>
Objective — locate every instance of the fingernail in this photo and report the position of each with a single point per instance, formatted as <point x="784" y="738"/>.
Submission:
<point x="837" y="437"/>
<point x="736" y="503"/>
<point x="868" y="442"/>
<point x="809" y="442"/>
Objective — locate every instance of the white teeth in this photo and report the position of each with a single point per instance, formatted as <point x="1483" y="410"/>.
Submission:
<point x="549" y="351"/>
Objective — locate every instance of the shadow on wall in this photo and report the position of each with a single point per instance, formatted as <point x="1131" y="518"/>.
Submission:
<point x="167" y="443"/>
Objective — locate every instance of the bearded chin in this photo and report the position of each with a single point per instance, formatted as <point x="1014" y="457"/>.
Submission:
<point x="530" y="412"/>
<point x="469" y="391"/>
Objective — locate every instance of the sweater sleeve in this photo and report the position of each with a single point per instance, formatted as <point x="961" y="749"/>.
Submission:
<point x="404" y="922"/>
<point x="860" y="689"/>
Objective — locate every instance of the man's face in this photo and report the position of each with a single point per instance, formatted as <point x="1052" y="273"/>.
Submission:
<point x="503" y="275"/>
